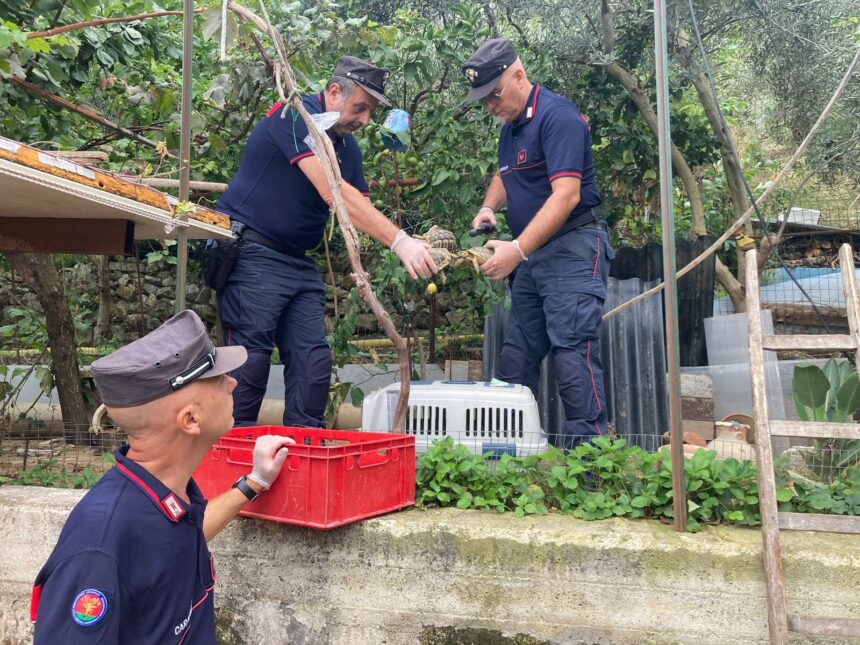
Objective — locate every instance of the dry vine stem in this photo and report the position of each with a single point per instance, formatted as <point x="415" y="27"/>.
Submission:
<point x="743" y="219"/>
<point x="284" y="73"/>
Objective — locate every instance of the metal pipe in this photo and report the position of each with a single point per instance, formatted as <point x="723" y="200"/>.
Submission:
<point x="670" y="294"/>
<point x="184" y="147"/>
<point x="366" y="343"/>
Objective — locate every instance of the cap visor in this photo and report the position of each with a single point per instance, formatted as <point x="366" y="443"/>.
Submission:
<point x="379" y="96"/>
<point x="482" y="91"/>
<point x="227" y="359"/>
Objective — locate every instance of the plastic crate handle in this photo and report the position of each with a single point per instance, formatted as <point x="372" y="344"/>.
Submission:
<point x="294" y="462"/>
<point x="376" y="457"/>
<point x="240" y="462"/>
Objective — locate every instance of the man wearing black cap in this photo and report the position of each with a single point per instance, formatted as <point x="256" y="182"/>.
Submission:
<point x="132" y="564"/>
<point x="279" y="196"/>
<point x="560" y="251"/>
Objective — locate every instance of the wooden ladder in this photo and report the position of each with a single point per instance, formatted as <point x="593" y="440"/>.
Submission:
<point x="779" y="622"/>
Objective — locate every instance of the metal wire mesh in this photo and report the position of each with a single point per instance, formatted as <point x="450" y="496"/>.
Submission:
<point x="42" y="454"/>
<point x="56" y="454"/>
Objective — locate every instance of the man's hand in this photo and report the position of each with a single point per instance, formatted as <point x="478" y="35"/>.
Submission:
<point x="270" y="452"/>
<point x="506" y="258"/>
<point x="414" y="255"/>
<point x="485" y="214"/>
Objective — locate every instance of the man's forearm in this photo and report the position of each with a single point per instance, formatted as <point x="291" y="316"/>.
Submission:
<point x="222" y="509"/>
<point x="496" y="197"/>
<point x="366" y="218"/>
<point x="361" y="211"/>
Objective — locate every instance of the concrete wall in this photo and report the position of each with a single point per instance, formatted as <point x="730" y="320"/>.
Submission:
<point x="448" y="576"/>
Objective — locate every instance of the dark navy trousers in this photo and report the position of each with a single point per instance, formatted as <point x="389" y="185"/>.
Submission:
<point x="275" y="300"/>
<point x="557" y="303"/>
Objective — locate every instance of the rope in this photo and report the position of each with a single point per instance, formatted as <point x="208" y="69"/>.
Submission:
<point x="742" y="220"/>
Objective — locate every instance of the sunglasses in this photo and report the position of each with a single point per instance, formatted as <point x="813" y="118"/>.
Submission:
<point x="495" y="97"/>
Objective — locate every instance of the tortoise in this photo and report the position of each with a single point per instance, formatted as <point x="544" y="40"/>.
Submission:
<point x="439" y="238"/>
<point x="442" y="258"/>
<point x="473" y="257"/>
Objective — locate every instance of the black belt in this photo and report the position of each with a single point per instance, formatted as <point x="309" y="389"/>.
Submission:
<point x="286" y="249"/>
<point x="592" y="218"/>
<point x="599" y="224"/>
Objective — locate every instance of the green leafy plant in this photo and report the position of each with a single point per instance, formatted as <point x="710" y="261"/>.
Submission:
<point x="829" y="394"/>
<point x="607" y="478"/>
<point x="45" y="473"/>
<point x="165" y="254"/>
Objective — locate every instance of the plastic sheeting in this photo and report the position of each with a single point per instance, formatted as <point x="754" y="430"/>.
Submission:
<point x="634" y="364"/>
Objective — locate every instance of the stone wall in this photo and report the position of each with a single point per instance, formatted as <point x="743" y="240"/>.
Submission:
<point x="449" y="576"/>
<point x="154" y="296"/>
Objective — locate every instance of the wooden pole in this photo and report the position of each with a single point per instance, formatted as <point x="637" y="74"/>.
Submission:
<point x="670" y="303"/>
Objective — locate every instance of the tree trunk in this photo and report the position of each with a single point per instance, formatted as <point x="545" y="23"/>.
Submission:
<point x="679" y="163"/>
<point x="103" y="319"/>
<point x="43" y="278"/>
<point x="688" y="56"/>
<point x="734" y="288"/>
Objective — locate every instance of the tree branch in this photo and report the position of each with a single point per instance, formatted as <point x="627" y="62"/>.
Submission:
<point x="423" y="94"/>
<point x="92" y="116"/>
<point x="607" y="19"/>
<point x="102" y="21"/>
<point x="331" y="169"/>
<point x="491" y="20"/>
<point x="771" y="187"/>
<point x="519" y="29"/>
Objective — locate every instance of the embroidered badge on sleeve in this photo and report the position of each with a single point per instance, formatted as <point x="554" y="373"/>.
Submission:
<point x="89" y="607"/>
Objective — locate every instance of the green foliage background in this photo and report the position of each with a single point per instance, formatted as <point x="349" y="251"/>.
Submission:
<point x="130" y="72"/>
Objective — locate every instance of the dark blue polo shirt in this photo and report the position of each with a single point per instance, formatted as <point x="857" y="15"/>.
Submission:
<point x="269" y="192"/>
<point x="551" y="139"/>
<point x="131" y="566"/>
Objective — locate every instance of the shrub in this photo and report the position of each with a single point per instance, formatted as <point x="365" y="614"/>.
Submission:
<point x="608" y="478"/>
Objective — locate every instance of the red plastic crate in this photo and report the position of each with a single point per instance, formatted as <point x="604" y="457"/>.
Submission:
<point x="330" y="477"/>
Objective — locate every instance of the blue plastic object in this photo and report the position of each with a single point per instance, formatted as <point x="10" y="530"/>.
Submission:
<point x="396" y="130"/>
<point x="499" y="449"/>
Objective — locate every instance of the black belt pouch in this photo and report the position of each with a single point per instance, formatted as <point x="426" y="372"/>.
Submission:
<point x="218" y="262"/>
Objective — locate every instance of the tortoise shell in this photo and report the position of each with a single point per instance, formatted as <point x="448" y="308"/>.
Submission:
<point x="440" y="238"/>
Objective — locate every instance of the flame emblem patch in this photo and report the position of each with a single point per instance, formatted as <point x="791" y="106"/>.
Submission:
<point x="89" y="607"/>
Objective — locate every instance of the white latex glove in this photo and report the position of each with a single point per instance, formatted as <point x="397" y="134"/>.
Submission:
<point x="484" y="214"/>
<point x="270" y="452"/>
<point x="414" y="255"/>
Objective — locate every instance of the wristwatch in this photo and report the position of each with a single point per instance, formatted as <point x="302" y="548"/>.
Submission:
<point x="245" y="489"/>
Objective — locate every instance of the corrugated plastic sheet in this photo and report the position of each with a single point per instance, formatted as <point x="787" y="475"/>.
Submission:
<point x="634" y="364"/>
<point x="632" y="343"/>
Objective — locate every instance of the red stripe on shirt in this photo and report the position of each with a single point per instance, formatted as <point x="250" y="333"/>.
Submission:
<point x="146" y="489"/>
<point x="301" y="156"/>
<point x="525" y="167"/>
<point x="566" y="173"/>
<point x="274" y="108"/>
<point x="534" y="102"/>
<point x="35" y="597"/>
